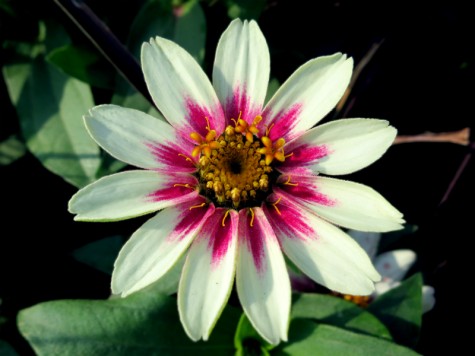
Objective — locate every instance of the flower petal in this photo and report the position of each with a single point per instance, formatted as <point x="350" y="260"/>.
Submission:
<point x="262" y="281"/>
<point x="241" y="70"/>
<point x="393" y="265"/>
<point x="208" y="274"/>
<point x="341" y="146"/>
<point x="155" y="247"/>
<point x="138" y="139"/>
<point x="131" y="193"/>
<point x="344" y="203"/>
<point x="369" y="241"/>
<point x="307" y="96"/>
<point x="180" y="88"/>
<point x="428" y="298"/>
<point x="322" y="251"/>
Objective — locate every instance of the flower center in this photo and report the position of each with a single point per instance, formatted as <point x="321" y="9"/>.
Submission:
<point x="235" y="169"/>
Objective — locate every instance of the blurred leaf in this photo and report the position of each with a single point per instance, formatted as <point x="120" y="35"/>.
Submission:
<point x="338" y="312"/>
<point x="50" y="106"/>
<point x="11" y="149"/>
<point x="247" y="341"/>
<point x="100" y="254"/>
<point x="109" y="165"/>
<point x="309" y="338"/>
<point x="400" y="309"/>
<point x="145" y="323"/>
<point x="82" y="64"/>
<point x="184" y="25"/>
<point x="245" y="9"/>
<point x="6" y="349"/>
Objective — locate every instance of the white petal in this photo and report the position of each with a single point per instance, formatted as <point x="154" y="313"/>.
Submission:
<point x="262" y="281"/>
<point x="344" y="203"/>
<point x="393" y="265"/>
<point x="307" y="96"/>
<point x="208" y="274"/>
<point x="385" y="286"/>
<point x="138" y="139"/>
<point x="131" y="193"/>
<point x="155" y="247"/>
<point x="322" y="251"/>
<point x="241" y="70"/>
<point x="369" y="241"/>
<point x="341" y="146"/>
<point x="428" y="298"/>
<point x="180" y="88"/>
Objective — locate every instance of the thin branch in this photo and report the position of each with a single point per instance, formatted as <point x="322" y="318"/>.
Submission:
<point x="106" y="42"/>
<point x="460" y="137"/>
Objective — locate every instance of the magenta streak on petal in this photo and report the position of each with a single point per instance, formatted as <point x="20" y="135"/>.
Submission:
<point x="196" y="118"/>
<point x="175" y="190"/>
<point x="254" y="236"/>
<point x="190" y="219"/>
<point x="220" y="237"/>
<point x="169" y="154"/>
<point x="305" y="154"/>
<point x="306" y="191"/>
<point x="240" y="104"/>
<point x="284" y="122"/>
<point x="290" y="222"/>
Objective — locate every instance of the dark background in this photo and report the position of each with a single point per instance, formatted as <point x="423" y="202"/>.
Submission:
<point x="420" y="80"/>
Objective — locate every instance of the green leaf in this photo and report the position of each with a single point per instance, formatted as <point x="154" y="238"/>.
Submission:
<point x="100" y="254"/>
<point x="338" y="312"/>
<point x="145" y="323"/>
<point x="400" y="309"/>
<point x="11" y="149"/>
<point x="245" y="9"/>
<point x="6" y="349"/>
<point x="273" y="86"/>
<point x="50" y="106"/>
<point x="184" y="25"/>
<point x="309" y="338"/>
<point x="82" y="64"/>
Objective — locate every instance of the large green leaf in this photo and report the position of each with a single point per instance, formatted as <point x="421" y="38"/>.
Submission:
<point x="83" y="64"/>
<point x="401" y="310"/>
<point x="10" y="150"/>
<point x="338" y="312"/>
<point x="145" y="323"/>
<point x="50" y="106"/>
<point x="309" y="338"/>
<point x="247" y="340"/>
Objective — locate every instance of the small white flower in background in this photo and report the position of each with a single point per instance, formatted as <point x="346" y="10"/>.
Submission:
<point x="237" y="183"/>
<point x="391" y="265"/>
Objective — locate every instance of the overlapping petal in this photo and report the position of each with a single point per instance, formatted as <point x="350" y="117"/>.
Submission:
<point x="180" y="88"/>
<point x="131" y="193"/>
<point x="155" y="247"/>
<point x="138" y="139"/>
<point x="241" y="70"/>
<point x="344" y="203"/>
<point x="208" y="274"/>
<point x="322" y="251"/>
<point x="340" y="147"/>
<point x="307" y="96"/>
<point x="393" y="265"/>
<point x="262" y="281"/>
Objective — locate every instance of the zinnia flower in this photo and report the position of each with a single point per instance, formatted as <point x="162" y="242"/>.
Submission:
<point x="236" y="183"/>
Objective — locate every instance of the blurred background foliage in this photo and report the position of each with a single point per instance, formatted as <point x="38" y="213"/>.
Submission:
<point x="418" y="74"/>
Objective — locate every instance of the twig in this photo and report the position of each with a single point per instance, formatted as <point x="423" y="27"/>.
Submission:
<point x="460" y="137"/>
<point x="106" y="42"/>
<point x="356" y="73"/>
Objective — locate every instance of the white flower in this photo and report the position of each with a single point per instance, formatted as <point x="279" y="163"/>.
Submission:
<point x="392" y="266"/>
<point x="236" y="183"/>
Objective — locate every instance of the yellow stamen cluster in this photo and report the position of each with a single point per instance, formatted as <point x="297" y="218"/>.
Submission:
<point x="248" y="130"/>
<point x="234" y="172"/>
<point x="361" y="300"/>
